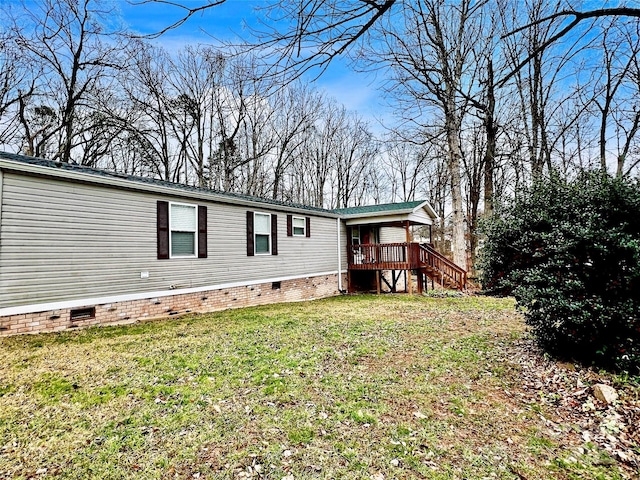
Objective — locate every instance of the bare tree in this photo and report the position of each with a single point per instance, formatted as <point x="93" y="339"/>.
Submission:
<point x="436" y="190"/>
<point x="305" y="35"/>
<point x="17" y="83"/>
<point x="357" y="150"/>
<point x="542" y="109"/>
<point x="432" y="58"/>
<point x="232" y="104"/>
<point x="491" y="131"/>
<point x="629" y="126"/>
<point x="185" y="11"/>
<point x="311" y="33"/>
<point x="474" y="158"/>
<point x="296" y="110"/>
<point x="577" y="17"/>
<point x="148" y="92"/>
<point x="258" y="137"/>
<point x="616" y="89"/>
<point x="333" y="158"/>
<point x="320" y="152"/>
<point x="196" y="79"/>
<point x="77" y="46"/>
<point x="405" y="164"/>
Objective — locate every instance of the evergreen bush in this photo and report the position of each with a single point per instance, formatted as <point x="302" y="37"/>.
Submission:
<point x="569" y="251"/>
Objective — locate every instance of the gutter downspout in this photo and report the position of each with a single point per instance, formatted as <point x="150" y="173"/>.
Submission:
<point x="339" y="256"/>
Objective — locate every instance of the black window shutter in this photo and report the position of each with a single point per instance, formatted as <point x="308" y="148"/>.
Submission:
<point x="202" y="231"/>
<point x="289" y="225"/>
<point x="274" y="234"/>
<point x="250" y="249"/>
<point x="308" y="229"/>
<point x="162" y="224"/>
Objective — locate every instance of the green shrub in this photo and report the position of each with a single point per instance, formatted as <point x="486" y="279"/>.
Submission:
<point x="570" y="254"/>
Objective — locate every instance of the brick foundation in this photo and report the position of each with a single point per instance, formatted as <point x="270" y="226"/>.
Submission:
<point x="171" y="305"/>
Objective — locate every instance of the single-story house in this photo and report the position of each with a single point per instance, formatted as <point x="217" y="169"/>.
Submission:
<point x="81" y="246"/>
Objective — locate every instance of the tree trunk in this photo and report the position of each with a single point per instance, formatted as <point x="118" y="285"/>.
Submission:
<point x="458" y="243"/>
<point x="491" y="133"/>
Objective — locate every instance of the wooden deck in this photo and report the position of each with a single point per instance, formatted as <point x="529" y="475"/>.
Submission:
<point x="422" y="258"/>
<point x="384" y="256"/>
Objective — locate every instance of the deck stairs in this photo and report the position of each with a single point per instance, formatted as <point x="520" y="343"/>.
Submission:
<point x="440" y="269"/>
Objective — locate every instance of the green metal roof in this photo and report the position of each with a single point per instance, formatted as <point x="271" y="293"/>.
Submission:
<point x="382" y="208"/>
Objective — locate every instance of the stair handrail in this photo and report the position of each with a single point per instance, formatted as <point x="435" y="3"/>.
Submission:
<point x="435" y="259"/>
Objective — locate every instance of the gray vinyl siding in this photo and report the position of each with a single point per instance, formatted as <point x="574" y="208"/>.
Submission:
<point x="392" y="235"/>
<point x="62" y="240"/>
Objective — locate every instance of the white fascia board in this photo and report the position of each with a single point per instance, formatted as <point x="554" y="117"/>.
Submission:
<point x="25" y="168"/>
<point x="393" y="215"/>
<point x="365" y="220"/>
<point x="421" y="218"/>
<point x="389" y="213"/>
<point x="83" y="302"/>
<point x="412" y="217"/>
<point x="429" y="209"/>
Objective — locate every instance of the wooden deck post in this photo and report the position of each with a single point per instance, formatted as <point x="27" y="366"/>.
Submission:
<point x="378" y="273"/>
<point x="409" y="257"/>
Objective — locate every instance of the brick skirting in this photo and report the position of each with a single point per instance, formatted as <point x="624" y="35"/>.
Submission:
<point x="170" y="305"/>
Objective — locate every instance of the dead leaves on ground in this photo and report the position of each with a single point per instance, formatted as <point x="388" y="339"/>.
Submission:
<point x="569" y="408"/>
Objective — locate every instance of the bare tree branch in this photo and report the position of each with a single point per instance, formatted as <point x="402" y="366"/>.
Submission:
<point x="315" y="33"/>
<point x="188" y="12"/>
<point x="577" y="18"/>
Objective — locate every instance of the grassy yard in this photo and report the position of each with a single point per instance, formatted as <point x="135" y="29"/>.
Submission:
<point x="358" y="387"/>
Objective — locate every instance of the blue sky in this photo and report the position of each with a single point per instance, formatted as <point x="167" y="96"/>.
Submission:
<point x="220" y="21"/>
<point x="228" y="22"/>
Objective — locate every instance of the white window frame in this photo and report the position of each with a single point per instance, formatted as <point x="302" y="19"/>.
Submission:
<point x="194" y="231"/>
<point x="256" y="233"/>
<point x="355" y="229"/>
<point x="293" y="226"/>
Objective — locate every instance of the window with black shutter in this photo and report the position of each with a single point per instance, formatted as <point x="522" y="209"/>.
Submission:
<point x="162" y="226"/>
<point x="250" y="239"/>
<point x="202" y="231"/>
<point x="298" y="226"/>
<point x="181" y="230"/>
<point x="262" y="233"/>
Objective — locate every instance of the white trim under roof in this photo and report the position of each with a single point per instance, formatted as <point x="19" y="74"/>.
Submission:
<point x="423" y="214"/>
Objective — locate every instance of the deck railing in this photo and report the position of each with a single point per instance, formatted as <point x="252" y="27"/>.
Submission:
<point x="380" y="256"/>
<point x="449" y="271"/>
<point x="406" y="256"/>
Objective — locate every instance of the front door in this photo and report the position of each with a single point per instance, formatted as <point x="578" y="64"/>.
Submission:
<point x="363" y="235"/>
<point x="369" y="235"/>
